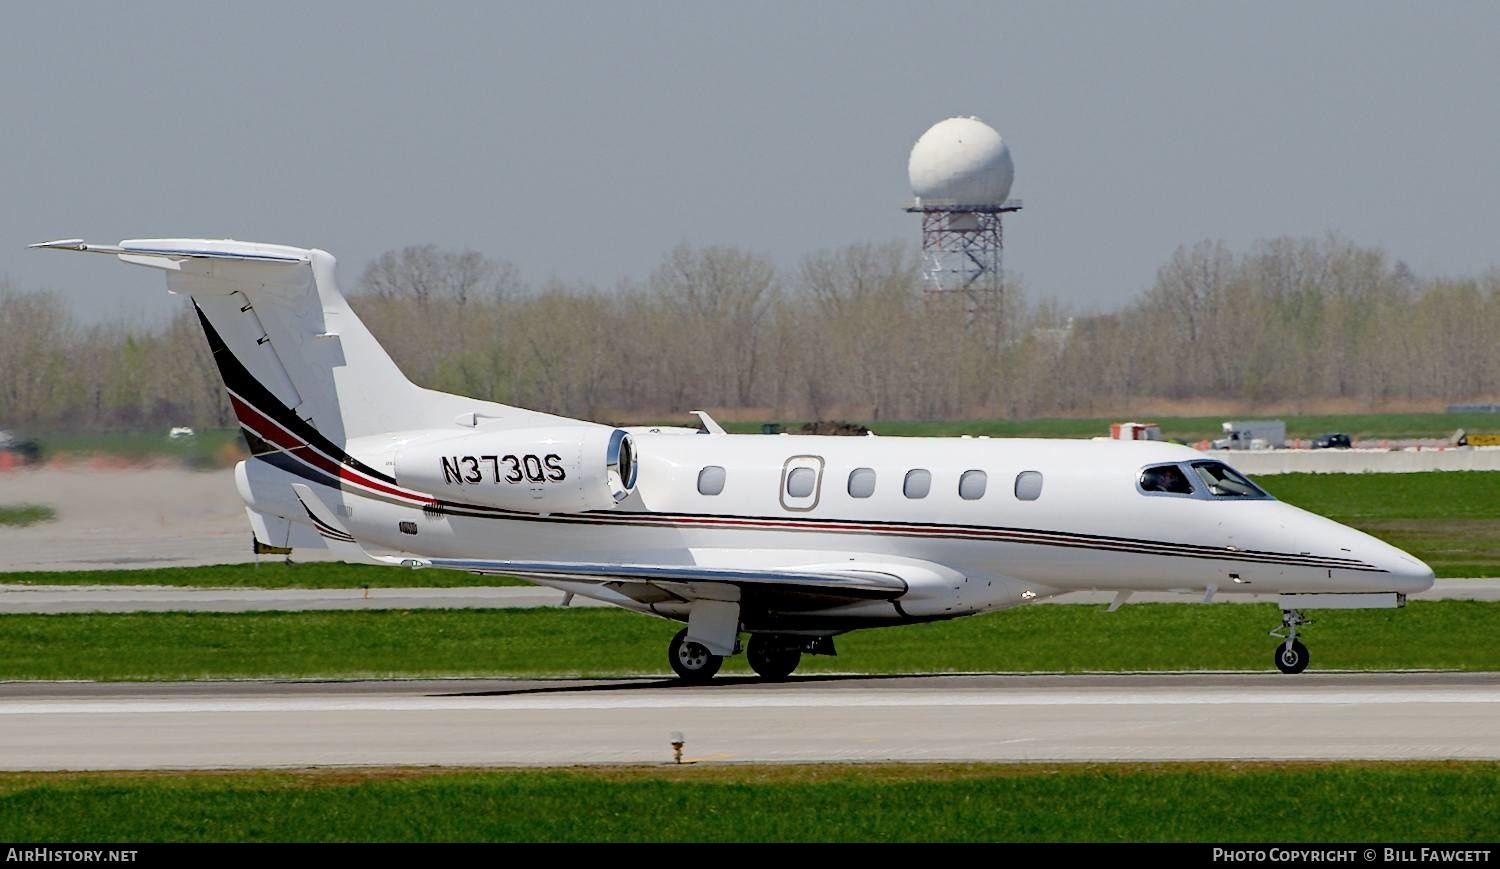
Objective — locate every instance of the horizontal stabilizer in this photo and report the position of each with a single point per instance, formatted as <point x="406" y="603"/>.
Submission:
<point x="295" y="357"/>
<point x="183" y="249"/>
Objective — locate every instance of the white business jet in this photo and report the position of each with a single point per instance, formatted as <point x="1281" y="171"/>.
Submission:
<point x="791" y="539"/>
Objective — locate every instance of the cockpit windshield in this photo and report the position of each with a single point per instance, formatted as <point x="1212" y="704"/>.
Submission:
<point x="1223" y="481"/>
<point x="1167" y="479"/>
<point x="1206" y="480"/>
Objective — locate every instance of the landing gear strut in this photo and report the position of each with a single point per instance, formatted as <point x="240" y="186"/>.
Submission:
<point x="773" y="657"/>
<point x="692" y="662"/>
<point x="1291" y="655"/>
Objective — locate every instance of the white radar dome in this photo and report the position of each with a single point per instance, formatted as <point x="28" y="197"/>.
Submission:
<point x="962" y="161"/>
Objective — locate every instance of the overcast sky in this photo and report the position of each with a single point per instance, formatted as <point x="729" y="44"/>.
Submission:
<point x="585" y="140"/>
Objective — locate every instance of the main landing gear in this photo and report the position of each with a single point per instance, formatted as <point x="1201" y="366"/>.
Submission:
<point x="772" y="656"/>
<point x="1291" y="655"/>
<point x="692" y="662"/>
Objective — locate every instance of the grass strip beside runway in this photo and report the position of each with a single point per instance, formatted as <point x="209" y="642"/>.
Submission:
<point x="1203" y="802"/>
<point x="21" y="515"/>
<point x="1456" y="634"/>
<point x="274" y="572"/>
<point x="1189" y="429"/>
<point x="1449" y="519"/>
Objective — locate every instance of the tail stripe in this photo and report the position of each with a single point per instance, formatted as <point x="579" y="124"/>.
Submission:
<point x="327" y="530"/>
<point x="330" y="460"/>
<point x="241" y="384"/>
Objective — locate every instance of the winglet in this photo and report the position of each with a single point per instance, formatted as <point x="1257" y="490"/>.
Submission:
<point x="340" y="541"/>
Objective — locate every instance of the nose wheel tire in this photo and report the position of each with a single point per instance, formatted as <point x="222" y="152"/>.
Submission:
<point x="771" y="658"/>
<point x="692" y="662"/>
<point x="1291" y="655"/>
<point x="1291" y="659"/>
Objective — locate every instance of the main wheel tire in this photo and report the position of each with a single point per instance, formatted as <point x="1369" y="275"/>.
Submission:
<point x="1293" y="660"/>
<point x="692" y="662"/>
<point x="772" y="659"/>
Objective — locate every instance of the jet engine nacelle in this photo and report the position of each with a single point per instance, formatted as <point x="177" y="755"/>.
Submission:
<point x="561" y="469"/>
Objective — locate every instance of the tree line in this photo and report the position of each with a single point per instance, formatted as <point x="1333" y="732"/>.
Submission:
<point x="847" y="333"/>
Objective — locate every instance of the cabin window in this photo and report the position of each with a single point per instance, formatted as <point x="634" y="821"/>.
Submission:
<point x="918" y="483"/>
<point x="971" y="485"/>
<point x="711" y="480"/>
<point x="799" y="483"/>
<point x="1167" y="480"/>
<point x="861" y="482"/>
<point x="1029" y="485"/>
<point x="1223" y="481"/>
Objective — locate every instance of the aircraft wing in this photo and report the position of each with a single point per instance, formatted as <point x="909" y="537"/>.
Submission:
<point x="870" y="582"/>
<point x="809" y="586"/>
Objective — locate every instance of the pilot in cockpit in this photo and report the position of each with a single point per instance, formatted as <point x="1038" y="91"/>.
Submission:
<point x="1166" y="478"/>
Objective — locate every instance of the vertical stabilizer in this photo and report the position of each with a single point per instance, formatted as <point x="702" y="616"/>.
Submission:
<point x="290" y="348"/>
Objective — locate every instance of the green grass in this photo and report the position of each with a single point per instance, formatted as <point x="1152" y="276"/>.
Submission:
<point x="26" y="514"/>
<point x="207" y="448"/>
<point x="1456" y="635"/>
<point x="1449" y="519"/>
<point x="1310" y="802"/>
<point x="1183" y="428"/>
<point x="271" y="573"/>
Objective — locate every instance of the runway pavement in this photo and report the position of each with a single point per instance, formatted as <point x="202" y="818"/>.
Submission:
<point x="126" y="598"/>
<point x="49" y="726"/>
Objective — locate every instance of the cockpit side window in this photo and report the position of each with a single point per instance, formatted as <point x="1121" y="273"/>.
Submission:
<point x="1223" y="481"/>
<point x="1166" y="479"/>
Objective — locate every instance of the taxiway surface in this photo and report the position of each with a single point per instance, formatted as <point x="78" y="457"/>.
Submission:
<point x="1193" y="716"/>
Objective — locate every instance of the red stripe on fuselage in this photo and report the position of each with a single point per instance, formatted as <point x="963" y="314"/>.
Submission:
<point x="271" y="432"/>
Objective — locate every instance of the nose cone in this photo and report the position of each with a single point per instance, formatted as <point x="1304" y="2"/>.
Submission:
<point x="1394" y="570"/>
<point x="1409" y="574"/>
<point x="1403" y="572"/>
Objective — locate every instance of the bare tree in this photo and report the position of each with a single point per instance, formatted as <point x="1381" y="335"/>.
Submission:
<point x="1292" y="320"/>
<point x="425" y="272"/>
<point x="717" y="297"/>
<point x="39" y="383"/>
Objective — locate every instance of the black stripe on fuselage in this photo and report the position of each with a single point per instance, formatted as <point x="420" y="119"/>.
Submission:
<point x="238" y="379"/>
<point x="249" y="390"/>
<point x="980" y="533"/>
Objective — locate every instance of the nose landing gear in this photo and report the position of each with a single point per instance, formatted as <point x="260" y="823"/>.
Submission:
<point x="1291" y="655"/>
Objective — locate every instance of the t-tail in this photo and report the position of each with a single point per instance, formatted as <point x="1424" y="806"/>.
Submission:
<point x="288" y="345"/>
<point x="319" y="398"/>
